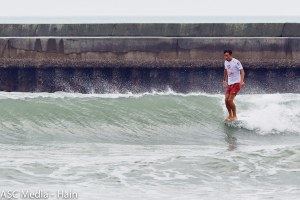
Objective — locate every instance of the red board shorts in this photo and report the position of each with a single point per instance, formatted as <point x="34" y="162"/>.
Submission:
<point x="233" y="89"/>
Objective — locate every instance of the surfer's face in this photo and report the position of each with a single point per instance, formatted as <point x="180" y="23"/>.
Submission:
<point x="227" y="56"/>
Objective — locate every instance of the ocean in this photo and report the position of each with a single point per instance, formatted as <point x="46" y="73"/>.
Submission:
<point x="156" y="145"/>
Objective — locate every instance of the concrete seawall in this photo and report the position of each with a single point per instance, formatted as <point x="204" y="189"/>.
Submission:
<point x="153" y="29"/>
<point x="147" y="52"/>
<point x="120" y="57"/>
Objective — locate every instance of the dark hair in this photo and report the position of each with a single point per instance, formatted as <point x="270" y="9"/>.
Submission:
<point x="228" y="51"/>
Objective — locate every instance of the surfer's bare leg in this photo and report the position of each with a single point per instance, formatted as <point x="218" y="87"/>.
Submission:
<point x="230" y="115"/>
<point x="232" y="106"/>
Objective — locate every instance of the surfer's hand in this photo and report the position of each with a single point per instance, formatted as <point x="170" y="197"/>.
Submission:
<point x="225" y="83"/>
<point x="242" y="84"/>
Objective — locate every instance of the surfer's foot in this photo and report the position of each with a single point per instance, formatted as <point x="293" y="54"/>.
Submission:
<point x="228" y="118"/>
<point x="233" y="118"/>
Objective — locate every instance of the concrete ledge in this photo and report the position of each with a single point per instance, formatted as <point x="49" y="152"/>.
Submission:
<point x="147" y="52"/>
<point x="140" y="57"/>
<point x="154" y="29"/>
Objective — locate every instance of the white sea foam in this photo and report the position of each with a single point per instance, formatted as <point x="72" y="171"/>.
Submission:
<point x="270" y="113"/>
<point x="23" y="95"/>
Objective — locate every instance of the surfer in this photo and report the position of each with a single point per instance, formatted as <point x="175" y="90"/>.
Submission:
<point x="234" y="74"/>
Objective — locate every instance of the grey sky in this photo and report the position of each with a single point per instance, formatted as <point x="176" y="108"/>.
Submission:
<point x="149" y="8"/>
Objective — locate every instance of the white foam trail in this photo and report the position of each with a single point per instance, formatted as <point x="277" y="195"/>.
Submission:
<point x="23" y="95"/>
<point x="270" y="113"/>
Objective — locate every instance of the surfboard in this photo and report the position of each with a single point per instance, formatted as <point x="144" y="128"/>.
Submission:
<point x="233" y="123"/>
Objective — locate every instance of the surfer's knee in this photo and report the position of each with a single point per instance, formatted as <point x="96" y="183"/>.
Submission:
<point x="227" y="101"/>
<point x="230" y="98"/>
<point x="226" y="98"/>
<point x="230" y="101"/>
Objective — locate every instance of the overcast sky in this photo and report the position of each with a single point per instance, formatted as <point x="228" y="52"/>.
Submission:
<point x="149" y="8"/>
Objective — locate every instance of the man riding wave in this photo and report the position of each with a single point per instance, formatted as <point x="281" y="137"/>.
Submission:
<point x="234" y="74"/>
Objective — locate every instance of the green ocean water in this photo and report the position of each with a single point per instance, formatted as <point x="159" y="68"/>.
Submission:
<point x="150" y="146"/>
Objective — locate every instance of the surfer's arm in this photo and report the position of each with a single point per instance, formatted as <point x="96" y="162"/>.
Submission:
<point x="225" y="78"/>
<point x="242" y="72"/>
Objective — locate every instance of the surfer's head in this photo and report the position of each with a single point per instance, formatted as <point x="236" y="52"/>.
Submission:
<point x="228" y="54"/>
